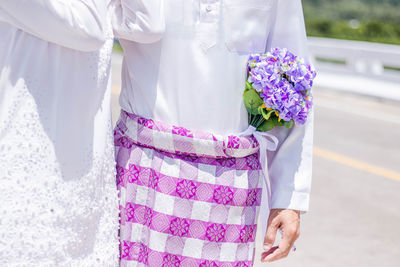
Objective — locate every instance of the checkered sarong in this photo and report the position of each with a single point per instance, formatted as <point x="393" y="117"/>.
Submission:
<point x="188" y="198"/>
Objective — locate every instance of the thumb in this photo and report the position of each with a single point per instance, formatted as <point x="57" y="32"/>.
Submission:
<point x="270" y="236"/>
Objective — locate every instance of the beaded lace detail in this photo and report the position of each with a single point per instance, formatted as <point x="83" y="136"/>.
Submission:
<point x="49" y="217"/>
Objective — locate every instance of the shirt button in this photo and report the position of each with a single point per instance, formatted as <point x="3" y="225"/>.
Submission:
<point x="209" y="8"/>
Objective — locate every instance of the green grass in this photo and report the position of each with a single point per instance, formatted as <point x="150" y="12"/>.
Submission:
<point x="391" y="68"/>
<point x="328" y="60"/>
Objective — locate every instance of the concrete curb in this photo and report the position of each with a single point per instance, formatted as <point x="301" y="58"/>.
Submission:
<point x="358" y="84"/>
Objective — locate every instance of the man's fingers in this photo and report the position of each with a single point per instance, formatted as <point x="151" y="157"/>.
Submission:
<point x="265" y="254"/>
<point x="273" y="254"/>
<point x="288" y="222"/>
<point x="292" y="232"/>
<point x="289" y="236"/>
<point x="270" y="236"/>
<point x="286" y="243"/>
<point x="269" y="252"/>
<point x="281" y="251"/>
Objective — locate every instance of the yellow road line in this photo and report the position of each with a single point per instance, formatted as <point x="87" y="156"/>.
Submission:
<point x="356" y="164"/>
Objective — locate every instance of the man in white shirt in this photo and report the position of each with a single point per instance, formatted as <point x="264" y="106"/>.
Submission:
<point x="191" y="73"/>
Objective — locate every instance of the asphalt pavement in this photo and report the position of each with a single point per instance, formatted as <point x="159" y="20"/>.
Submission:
<point x="354" y="217"/>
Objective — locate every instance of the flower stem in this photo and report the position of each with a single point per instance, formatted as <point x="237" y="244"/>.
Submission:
<point x="256" y="120"/>
<point x="260" y="120"/>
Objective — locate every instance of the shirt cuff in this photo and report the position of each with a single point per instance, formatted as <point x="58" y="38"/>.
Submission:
<point x="293" y="200"/>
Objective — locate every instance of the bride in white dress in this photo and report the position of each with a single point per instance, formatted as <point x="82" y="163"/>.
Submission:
<point x="58" y="201"/>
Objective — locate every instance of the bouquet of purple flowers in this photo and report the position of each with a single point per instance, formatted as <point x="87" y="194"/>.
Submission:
<point x="278" y="90"/>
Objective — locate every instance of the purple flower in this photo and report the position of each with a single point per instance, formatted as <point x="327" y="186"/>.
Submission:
<point x="255" y="58"/>
<point x="179" y="227"/>
<point x="284" y="82"/>
<point x="215" y="232"/>
<point x="186" y="189"/>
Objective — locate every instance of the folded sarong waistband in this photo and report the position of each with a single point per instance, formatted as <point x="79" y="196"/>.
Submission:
<point x="180" y="140"/>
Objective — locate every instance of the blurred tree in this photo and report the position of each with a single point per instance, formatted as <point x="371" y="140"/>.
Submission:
<point x="368" y="20"/>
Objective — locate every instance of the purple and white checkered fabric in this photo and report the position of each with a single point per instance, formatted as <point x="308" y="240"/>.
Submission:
<point x="188" y="198"/>
<point x="179" y="140"/>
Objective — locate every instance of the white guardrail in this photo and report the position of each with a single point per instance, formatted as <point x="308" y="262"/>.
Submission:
<point x="374" y="60"/>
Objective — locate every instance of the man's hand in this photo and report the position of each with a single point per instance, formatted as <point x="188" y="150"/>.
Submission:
<point x="289" y="223"/>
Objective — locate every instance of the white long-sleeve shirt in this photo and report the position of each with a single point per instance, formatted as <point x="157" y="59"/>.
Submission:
<point x="58" y="201"/>
<point x="194" y="76"/>
<point x="75" y="24"/>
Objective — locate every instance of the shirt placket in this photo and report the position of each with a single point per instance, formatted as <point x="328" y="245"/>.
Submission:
<point x="209" y="11"/>
<point x="208" y="23"/>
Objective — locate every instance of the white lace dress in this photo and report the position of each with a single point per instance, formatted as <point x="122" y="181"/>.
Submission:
<point x="58" y="199"/>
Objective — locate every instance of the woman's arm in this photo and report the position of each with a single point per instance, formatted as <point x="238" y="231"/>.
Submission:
<point x="75" y="24"/>
<point x="140" y="21"/>
<point x="290" y="166"/>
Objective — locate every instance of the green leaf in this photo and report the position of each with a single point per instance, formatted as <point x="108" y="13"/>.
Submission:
<point x="288" y="124"/>
<point x="267" y="114"/>
<point x="266" y="126"/>
<point x="248" y="86"/>
<point x="252" y="101"/>
<point x="280" y="122"/>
